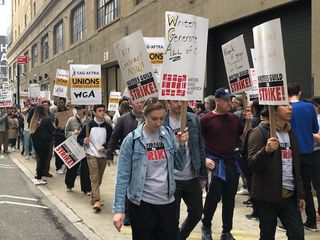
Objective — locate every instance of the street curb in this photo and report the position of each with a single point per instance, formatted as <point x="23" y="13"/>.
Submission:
<point x="63" y="208"/>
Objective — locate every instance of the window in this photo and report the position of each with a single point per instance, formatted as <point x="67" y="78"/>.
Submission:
<point x="44" y="48"/>
<point x="34" y="55"/>
<point x="78" y="23"/>
<point x="108" y="10"/>
<point x="58" y="37"/>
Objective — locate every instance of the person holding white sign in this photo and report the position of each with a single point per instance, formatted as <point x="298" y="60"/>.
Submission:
<point x="191" y="180"/>
<point x="73" y="127"/>
<point x="147" y="159"/>
<point x="96" y="145"/>
<point x="277" y="185"/>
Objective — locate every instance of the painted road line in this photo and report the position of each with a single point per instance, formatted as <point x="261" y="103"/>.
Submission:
<point x="21" y="198"/>
<point x="23" y="204"/>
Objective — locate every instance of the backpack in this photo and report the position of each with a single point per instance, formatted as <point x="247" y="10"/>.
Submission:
<point x="243" y="162"/>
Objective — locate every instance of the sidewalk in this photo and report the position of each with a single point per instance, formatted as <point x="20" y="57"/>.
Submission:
<point x="75" y="206"/>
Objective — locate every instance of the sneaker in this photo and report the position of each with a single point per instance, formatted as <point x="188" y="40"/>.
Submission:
<point x="39" y="182"/>
<point x="69" y="189"/>
<point x="243" y="191"/>
<point x="43" y="178"/>
<point x="87" y="193"/>
<point x="206" y="233"/>
<point x="281" y="228"/>
<point x="97" y="206"/>
<point x="33" y="155"/>
<point x="60" y="171"/>
<point x="227" y="236"/>
<point x="310" y="227"/>
<point x="26" y="157"/>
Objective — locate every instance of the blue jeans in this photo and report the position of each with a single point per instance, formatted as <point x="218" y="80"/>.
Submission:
<point x="289" y="214"/>
<point x="26" y="142"/>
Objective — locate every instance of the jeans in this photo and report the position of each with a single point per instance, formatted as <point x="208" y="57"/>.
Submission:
<point x="227" y="191"/>
<point x="191" y="193"/>
<point x="288" y="212"/>
<point x="153" y="222"/>
<point x="27" y="142"/>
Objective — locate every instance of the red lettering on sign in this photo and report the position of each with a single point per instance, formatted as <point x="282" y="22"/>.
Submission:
<point x="144" y="90"/>
<point x="241" y="84"/>
<point x="272" y="94"/>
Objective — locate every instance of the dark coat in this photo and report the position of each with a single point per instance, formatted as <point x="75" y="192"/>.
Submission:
<point x="267" y="168"/>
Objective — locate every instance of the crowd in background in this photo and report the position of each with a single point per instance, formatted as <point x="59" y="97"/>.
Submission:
<point x="212" y="147"/>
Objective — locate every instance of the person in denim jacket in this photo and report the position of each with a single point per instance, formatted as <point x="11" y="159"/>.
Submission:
<point x="189" y="181"/>
<point x="145" y="174"/>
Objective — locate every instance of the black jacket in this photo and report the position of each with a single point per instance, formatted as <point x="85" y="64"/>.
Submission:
<point x="125" y="124"/>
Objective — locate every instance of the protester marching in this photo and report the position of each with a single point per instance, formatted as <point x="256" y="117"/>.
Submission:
<point x="254" y="136"/>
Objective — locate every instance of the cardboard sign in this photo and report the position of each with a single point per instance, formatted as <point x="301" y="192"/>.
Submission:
<point x="155" y="49"/>
<point x="114" y="100"/>
<point x="184" y="63"/>
<point x="60" y="88"/>
<point x="34" y="93"/>
<point x="63" y="118"/>
<point x="237" y="65"/>
<point x="135" y="67"/>
<point x="85" y="84"/>
<point x="270" y="63"/>
<point x="70" y="152"/>
<point x="6" y="98"/>
<point x="46" y="95"/>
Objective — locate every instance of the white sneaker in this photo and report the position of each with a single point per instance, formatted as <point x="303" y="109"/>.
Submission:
<point x="39" y="182"/>
<point x="60" y="171"/>
<point x="243" y="191"/>
<point x="43" y="178"/>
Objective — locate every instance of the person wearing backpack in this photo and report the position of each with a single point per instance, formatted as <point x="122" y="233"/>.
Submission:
<point x="277" y="184"/>
<point x="145" y="175"/>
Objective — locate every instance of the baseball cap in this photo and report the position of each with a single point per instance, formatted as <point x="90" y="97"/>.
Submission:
<point x="223" y="93"/>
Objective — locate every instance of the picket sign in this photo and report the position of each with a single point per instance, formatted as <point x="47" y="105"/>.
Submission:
<point x="70" y="151"/>
<point x="270" y="66"/>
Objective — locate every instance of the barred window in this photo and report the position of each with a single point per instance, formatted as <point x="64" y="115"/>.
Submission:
<point x="108" y="10"/>
<point x="58" y="38"/>
<point x="34" y="55"/>
<point x="78" y="23"/>
<point x="44" y="48"/>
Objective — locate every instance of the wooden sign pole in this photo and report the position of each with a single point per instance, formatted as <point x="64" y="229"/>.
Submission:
<point x="272" y="119"/>
<point x="184" y="105"/>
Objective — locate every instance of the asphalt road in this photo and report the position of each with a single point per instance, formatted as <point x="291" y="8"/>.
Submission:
<point x="25" y="213"/>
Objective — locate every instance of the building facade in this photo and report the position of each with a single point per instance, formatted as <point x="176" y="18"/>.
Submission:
<point x="56" y="33"/>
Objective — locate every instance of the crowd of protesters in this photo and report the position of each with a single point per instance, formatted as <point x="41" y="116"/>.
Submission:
<point x="159" y="164"/>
